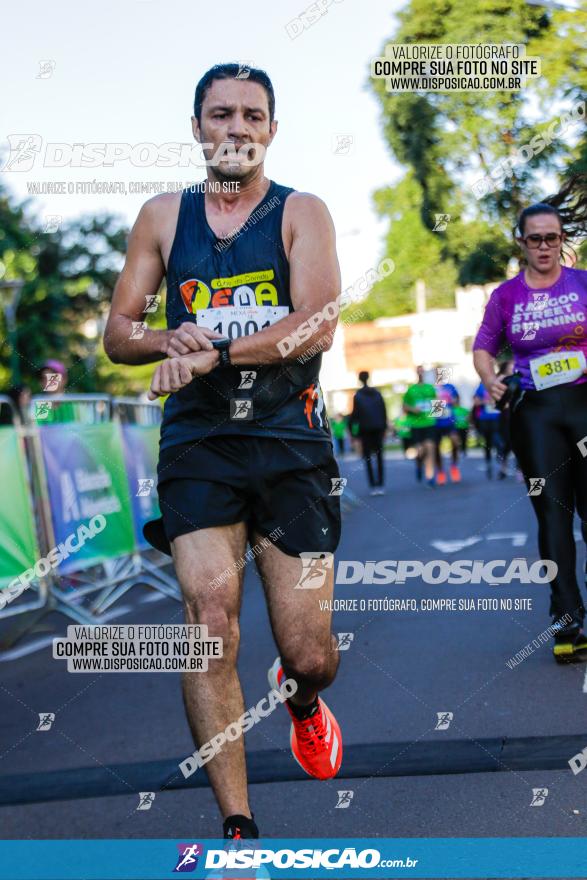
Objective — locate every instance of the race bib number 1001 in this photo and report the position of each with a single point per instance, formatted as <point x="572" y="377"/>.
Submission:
<point x="557" y="368"/>
<point x="235" y="321"/>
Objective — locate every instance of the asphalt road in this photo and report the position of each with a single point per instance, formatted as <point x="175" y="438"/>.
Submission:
<point x="473" y="773"/>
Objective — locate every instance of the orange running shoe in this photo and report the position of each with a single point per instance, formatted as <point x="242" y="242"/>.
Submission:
<point x="441" y="478"/>
<point x="316" y="743"/>
<point x="455" y="474"/>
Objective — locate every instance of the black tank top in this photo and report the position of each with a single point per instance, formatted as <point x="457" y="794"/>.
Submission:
<point x="238" y="285"/>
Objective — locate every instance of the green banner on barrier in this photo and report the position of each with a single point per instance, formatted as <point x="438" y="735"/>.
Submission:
<point x="141" y="451"/>
<point x="18" y="548"/>
<point x="86" y="478"/>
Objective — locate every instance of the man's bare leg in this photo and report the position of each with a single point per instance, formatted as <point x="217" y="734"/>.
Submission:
<point x="301" y="629"/>
<point x="428" y="447"/>
<point x="214" y="699"/>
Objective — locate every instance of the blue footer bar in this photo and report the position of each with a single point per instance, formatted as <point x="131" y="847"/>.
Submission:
<point x="382" y="858"/>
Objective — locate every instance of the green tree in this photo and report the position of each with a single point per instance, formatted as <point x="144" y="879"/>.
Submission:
<point x="564" y="70"/>
<point x="446" y="141"/>
<point x="69" y="279"/>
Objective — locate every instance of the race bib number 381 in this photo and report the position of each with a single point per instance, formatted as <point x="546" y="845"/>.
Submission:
<point x="235" y="321"/>
<point x="557" y="368"/>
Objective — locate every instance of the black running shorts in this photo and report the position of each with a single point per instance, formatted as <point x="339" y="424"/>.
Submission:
<point x="266" y="482"/>
<point x="419" y="435"/>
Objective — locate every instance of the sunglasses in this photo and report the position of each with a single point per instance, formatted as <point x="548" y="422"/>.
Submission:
<point x="552" y="240"/>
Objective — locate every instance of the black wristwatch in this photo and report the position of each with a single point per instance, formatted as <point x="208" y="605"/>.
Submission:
<point x="222" y="346"/>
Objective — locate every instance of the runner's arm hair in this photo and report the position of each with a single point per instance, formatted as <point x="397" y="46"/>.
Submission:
<point x="141" y="277"/>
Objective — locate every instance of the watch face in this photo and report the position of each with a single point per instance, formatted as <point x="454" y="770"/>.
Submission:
<point x="220" y="343"/>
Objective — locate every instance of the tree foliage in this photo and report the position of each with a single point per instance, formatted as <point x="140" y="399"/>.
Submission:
<point x="445" y="141"/>
<point x="69" y="279"/>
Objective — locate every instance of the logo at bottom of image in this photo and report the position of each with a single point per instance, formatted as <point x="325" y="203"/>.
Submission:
<point x="260" y="873"/>
<point x="187" y="860"/>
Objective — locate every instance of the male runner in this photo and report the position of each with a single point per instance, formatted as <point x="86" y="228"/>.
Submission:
<point x="417" y="405"/>
<point x="53" y="380"/>
<point x="370" y="415"/>
<point x="487" y="420"/>
<point x="462" y="421"/>
<point x="403" y="432"/>
<point x="446" y="427"/>
<point x="245" y="450"/>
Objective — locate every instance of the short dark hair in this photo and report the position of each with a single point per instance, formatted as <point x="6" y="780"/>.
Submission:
<point x="231" y="71"/>
<point x="364" y="377"/>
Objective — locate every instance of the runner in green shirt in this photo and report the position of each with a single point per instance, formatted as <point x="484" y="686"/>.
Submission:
<point x="417" y="407"/>
<point x="462" y="416"/>
<point x="404" y="432"/>
<point x="338" y="426"/>
<point x="53" y="378"/>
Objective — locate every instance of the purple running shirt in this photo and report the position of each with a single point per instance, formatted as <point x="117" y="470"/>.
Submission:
<point x="536" y="322"/>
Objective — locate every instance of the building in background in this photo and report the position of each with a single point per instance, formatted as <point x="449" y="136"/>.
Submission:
<point x="391" y="348"/>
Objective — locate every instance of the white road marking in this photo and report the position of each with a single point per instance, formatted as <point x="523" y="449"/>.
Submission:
<point x="518" y="539"/>
<point x="454" y="546"/>
<point x="25" y="650"/>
